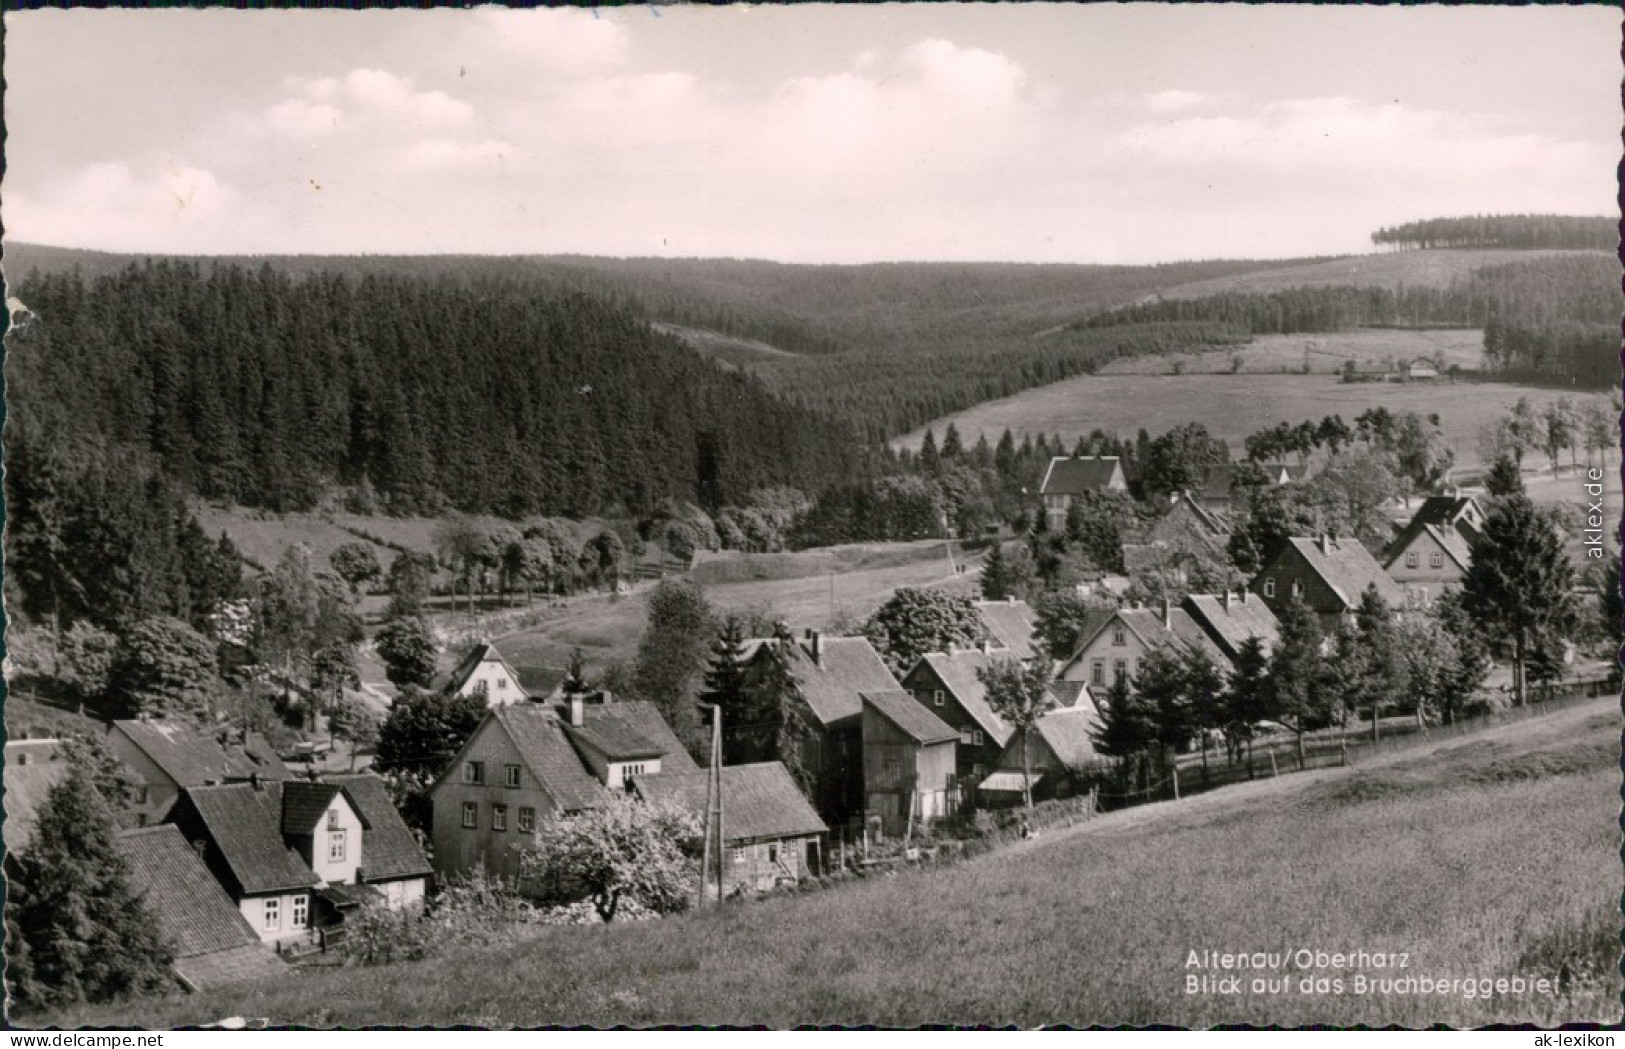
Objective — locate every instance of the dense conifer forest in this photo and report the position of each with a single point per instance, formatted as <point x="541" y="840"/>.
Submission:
<point x="487" y="395"/>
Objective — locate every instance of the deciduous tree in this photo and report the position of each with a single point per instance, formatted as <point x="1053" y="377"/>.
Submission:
<point x="915" y="621"/>
<point x="1019" y="692"/>
<point x="164" y="669"/>
<point x="356" y="564"/>
<point x="406" y="645"/>
<point x="622" y="849"/>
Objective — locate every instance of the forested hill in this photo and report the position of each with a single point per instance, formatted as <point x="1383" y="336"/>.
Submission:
<point x="490" y="395"/>
<point x="1504" y="231"/>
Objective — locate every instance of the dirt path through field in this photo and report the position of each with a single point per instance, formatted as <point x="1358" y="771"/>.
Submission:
<point x="1240" y="794"/>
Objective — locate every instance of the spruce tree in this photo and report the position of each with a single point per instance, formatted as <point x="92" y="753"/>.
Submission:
<point x="1126" y="729"/>
<point x="90" y="937"/>
<point x="1504" y="478"/>
<point x="995" y="587"/>
<point x="1520" y="585"/>
<point x="1296" y="673"/>
<point x="726" y="687"/>
<point x="1247" y="697"/>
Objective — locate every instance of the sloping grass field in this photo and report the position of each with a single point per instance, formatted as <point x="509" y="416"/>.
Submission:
<point x="1488" y="857"/>
<point x="1326" y="353"/>
<point x="1435" y="268"/>
<point x="1233" y="406"/>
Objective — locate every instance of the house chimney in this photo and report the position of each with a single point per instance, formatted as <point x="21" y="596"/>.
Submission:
<point x="987" y="645"/>
<point x="1227" y="599"/>
<point x="1325" y="543"/>
<point x="951" y="648"/>
<point x="1010" y="598"/>
<point x="254" y="781"/>
<point x="578" y="709"/>
<point x="1167" y="613"/>
<point x="1245" y="594"/>
<point x="22" y="758"/>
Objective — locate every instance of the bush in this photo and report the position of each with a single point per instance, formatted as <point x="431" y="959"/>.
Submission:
<point x="472" y="910"/>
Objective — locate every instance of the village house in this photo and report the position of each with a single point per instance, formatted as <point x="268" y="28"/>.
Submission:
<point x="1113" y="652"/>
<point x="945" y="683"/>
<point x="1434" y="550"/>
<point x="830" y="674"/>
<point x="770" y="831"/>
<point x="294" y="856"/>
<point x="909" y="770"/>
<point x="165" y="758"/>
<point x="526" y="761"/>
<point x="1230" y="619"/>
<point x="213" y="943"/>
<point x="1328" y="574"/>
<point x="1071" y="476"/>
<point x="483" y="672"/>
<point x="1060" y="751"/>
<point x="1010" y="623"/>
<point x="33" y="768"/>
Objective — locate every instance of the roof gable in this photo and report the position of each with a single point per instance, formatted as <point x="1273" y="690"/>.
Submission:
<point x="1153" y="627"/>
<point x="193" y="911"/>
<point x="32" y="769"/>
<point x="388" y="850"/>
<point x="957" y="672"/>
<point x="831" y="682"/>
<point x="1011" y="624"/>
<point x="909" y="717"/>
<point x="1069" y="734"/>
<point x="484" y="652"/>
<point x="1345" y="566"/>
<point x="761" y="801"/>
<point x="193" y="757"/>
<point x="539" y="738"/>
<point x="1230" y="623"/>
<point x="304" y="803"/>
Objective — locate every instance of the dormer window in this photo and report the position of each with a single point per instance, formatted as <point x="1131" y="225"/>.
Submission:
<point x="1119" y="636"/>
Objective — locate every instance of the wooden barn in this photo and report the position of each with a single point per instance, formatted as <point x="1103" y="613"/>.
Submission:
<point x="908" y="762"/>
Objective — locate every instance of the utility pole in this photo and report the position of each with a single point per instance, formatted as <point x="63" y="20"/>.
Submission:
<point x="713" y="807"/>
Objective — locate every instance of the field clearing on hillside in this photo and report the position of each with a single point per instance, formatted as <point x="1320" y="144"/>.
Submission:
<point x="1441" y="855"/>
<point x="1233" y="406"/>
<point x="1434" y="268"/>
<point x="608" y="631"/>
<point x="729" y="349"/>
<point x="731" y="566"/>
<point x="1278" y="354"/>
<point x="262" y="536"/>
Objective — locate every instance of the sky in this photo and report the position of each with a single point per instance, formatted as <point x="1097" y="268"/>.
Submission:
<point x="1109" y="133"/>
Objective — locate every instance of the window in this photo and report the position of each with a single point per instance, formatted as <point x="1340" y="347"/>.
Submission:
<point x="333" y="820"/>
<point x="510" y="776"/>
<point x="978" y="738"/>
<point x="273" y="914"/>
<point x="739" y="855"/>
<point x="482" y="688"/>
<point x="628" y="771"/>
<point x="936" y="697"/>
<point x="772" y="852"/>
<point x="1412" y="559"/>
<point x="967" y="736"/>
<point x="527" y="819"/>
<point x="1269" y="587"/>
<point x="1297" y="589"/>
<point x="471" y="815"/>
<point x="1436" y="560"/>
<point x="499" y="817"/>
<point x="335" y="846"/>
<point x="1119" y="636"/>
<point x="1097" y="672"/>
<point x="502" y="683"/>
<point x="474" y="773"/>
<point x="1119" y="671"/>
<point x="301" y="912"/>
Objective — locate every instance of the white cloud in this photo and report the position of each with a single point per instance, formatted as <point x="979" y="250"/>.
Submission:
<point x="298" y="118"/>
<point x="546" y="42"/>
<point x="1175" y="101"/>
<point x="441" y="154"/>
<point x="163" y="202"/>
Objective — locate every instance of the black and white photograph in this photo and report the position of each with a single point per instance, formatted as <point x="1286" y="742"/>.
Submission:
<point x="916" y="515"/>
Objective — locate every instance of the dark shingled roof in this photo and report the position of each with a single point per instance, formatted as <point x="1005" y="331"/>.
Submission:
<point x="612" y="739"/>
<point x="542" y="746"/>
<point x="1068" y="476"/>
<point x="192" y="909"/>
<point x="388" y="850"/>
<point x="760" y="801"/>
<point x="1455" y="537"/>
<point x="904" y="711"/>
<point x="33" y="767"/>
<point x="847" y="666"/>
<point x="957" y="670"/>
<point x="1232" y="626"/>
<point x="1069" y="693"/>
<point x="1010" y="623"/>
<point x="1069" y="733"/>
<point x="626" y="718"/>
<point x="193" y="757"/>
<point x="1151" y="626"/>
<point x="1348" y="568"/>
<point x="246" y="825"/>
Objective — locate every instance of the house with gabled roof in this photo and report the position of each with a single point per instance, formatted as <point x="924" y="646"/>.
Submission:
<point x="1328" y="574"/>
<point x="33" y="769"/>
<point x="947" y="685"/>
<point x="1435" y="548"/>
<point x="909" y="767"/>
<point x="484" y="672"/>
<point x="770" y="831"/>
<point x="1230" y="619"/>
<point x="213" y="943"/>
<point x="1068" y="477"/>
<point x="1060" y="751"/>
<point x="1116" y="647"/>
<point x="526" y="761"/>
<point x="830" y="675"/>
<point x="293" y="856"/>
<point x="1011" y="624"/>
<point x="165" y="757"/>
<point x="1219" y="489"/>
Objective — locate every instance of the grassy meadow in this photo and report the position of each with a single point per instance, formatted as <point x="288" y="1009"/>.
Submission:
<point x="1485" y="856"/>
<point x="1233" y="406"/>
<point x="1435" y="268"/>
<point x="1326" y="353"/>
